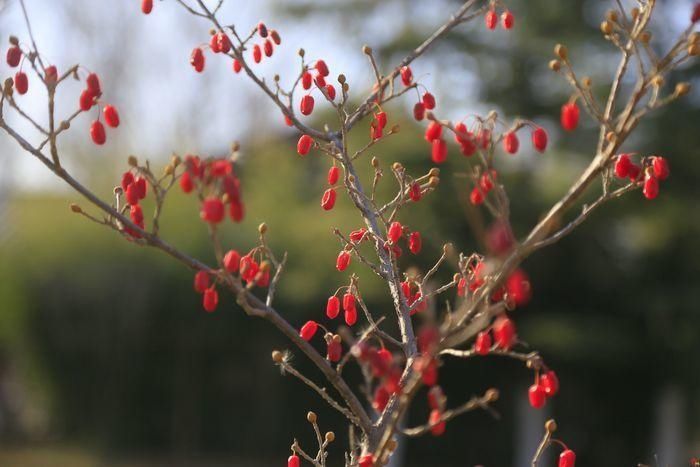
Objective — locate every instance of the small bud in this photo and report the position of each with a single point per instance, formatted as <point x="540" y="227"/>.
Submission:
<point x="694" y="50"/>
<point x="330" y="437"/>
<point x="645" y="37"/>
<point x="65" y="124"/>
<point x="554" y="65"/>
<point x="169" y="169"/>
<point x="586" y="81"/>
<point x="346" y="87"/>
<point x="367" y="50"/>
<point x="448" y="249"/>
<point x="694" y="38"/>
<point x="75" y="208"/>
<point x="341" y="78"/>
<point x="175" y="160"/>
<point x="375" y="162"/>
<point x="610" y="137"/>
<point x="492" y="395"/>
<point x="301" y="52"/>
<point x="434" y="172"/>
<point x="395" y="129"/>
<point x="433" y="182"/>
<point x="612" y="16"/>
<point x="235" y="146"/>
<point x="606" y="27"/>
<point x="634" y="13"/>
<point x="276" y="78"/>
<point x="561" y="51"/>
<point x="265" y="266"/>
<point x="7" y="88"/>
<point x="550" y="426"/>
<point x="262" y="228"/>
<point x="132" y="161"/>
<point x="351" y="178"/>
<point x="658" y="81"/>
<point x="396" y="166"/>
<point x="14" y="40"/>
<point x="391" y="445"/>
<point x="681" y="89"/>
<point x="277" y="356"/>
<point x="311" y="417"/>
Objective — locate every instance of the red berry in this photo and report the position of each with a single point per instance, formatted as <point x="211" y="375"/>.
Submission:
<point x="491" y="19"/>
<point x="333" y="175"/>
<point x="419" y="111"/>
<point x="111" y="116"/>
<point x="186" y="183"/>
<point x="330" y="90"/>
<point x="634" y="172"/>
<point x="366" y="461"/>
<point x="428" y="101"/>
<point x="214" y="44"/>
<point x="333" y="307"/>
<point x="381" y="119"/>
<point x="539" y="139"/>
<point x="437" y="426"/>
<point x="87" y="100"/>
<point x="136" y="214"/>
<point x="623" y="166"/>
<point x="511" y="144"/>
<point x="51" y="74"/>
<point x="320" y="81"/>
<point x="334" y="350"/>
<point x="356" y="236"/>
<point x="97" y="133"/>
<point x="433" y="132"/>
<point x="348" y="301"/>
<point x="567" y="458"/>
<point x="201" y="281"/>
<point x="14" y="56"/>
<point x="343" y="260"/>
<point x="146" y="6"/>
<point x="308" y="330"/>
<point x="237" y="66"/>
<point x="350" y="316"/>
<point x="21" y="82"/>
<point x="306" y="80"/>
<point x="236" y="211"/>
<point x="328" y="200"/>
<point x="93" y="84"/>
<point x="232" y="261"/>
<point x="223" y="42"/>
<point x="651" y="187"/>
<point x="429" y="370"/>
<point x="482" y="344"/>
<point x="415" y="242"/>
<point x="406" y="75"/>
<point x="141" y="187"/>
<point x="132" y="194"/>
<point x="476" y="197"/>
<point x="262" y="30"/>
<point x="550" y="383"/>
<point x="395" y="232"/>
<point x="127" y="179"/>
<point x="197" y="59"/>
<point x="504" y="333"/>
<point x="304" y="144"/>
<point x="536" y="396"/>
<point x="486" y="181"/>
<point x="569" y="116"/>
<point x="257" y="53"/>
<point x="268" y="48"/>
<point x="415" y="193"/>
<point x="660" y="166"/>
<point x="293" y="461"/>
<point x="212" y="210"/>
<point x="307" y="104"/>
<point x="439" y="153"/>
<point x="275" y="37"/>
<point x="507" y="19"/>
<point x="321" y="67"/>
<point x="210" y="300"/>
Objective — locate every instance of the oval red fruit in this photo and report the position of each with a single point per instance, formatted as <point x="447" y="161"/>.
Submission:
<point x="308" y="330"/>
<point x="419" y="111"/>
<point x="507" y="19"/>
<point x="536" y="396"/>
<point x="210" y="300"/>
<point x="304" y="144"/>
<point x="21" y="82"/>
<point x="660" y="166"/>
<point x="201" y="281"/>
<point x="569" y="116"/>
<point x="321" y="67"/>
<point x="395" y="231"/>
<point x="623" y="164"/>
<point x="415" y="242"/>
<point x="343" y="260"/>
<point x="651" y="187"/>
<point x="14" y="56"/>
<point x="504" y="333"/>
<point x="293" y="461"/>
<point x="482" y="344"/>
<point x="111" y="116"/>
<point x="97" y="133"/>
<point x="428" y="101"/>
<point x="511" y="144"/>
<point x="439" y="151"/>
<point x="539" y="139"/>
<point x="491" y="19"/>
<point x="333" y="307"/>
<point x="212" y="210"/>
<point x="406" y="75"/>
<point x="186" y="183"/>
<point x="333" y="175"/>
<point x="232" y="261"/>
<point x="146" y="6"/>
<point x="437" y="426"/>
<point x="328" y="199"/>
<point x="307" y="104"/>
<point x="197" y="60"/>
<point x="550" y="383"/>
<point x="567" y="458"/>
<point x="257" y="53"/>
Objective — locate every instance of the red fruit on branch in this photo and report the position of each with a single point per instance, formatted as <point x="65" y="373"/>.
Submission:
<point x="97" y="133"/>
<point x="348" y="301"/>
<point x="308" y="330"/>
<point x="223" y="42"/>
<point x="293" y="461"/>
<point x="550" y="383"/>
<point x="334" y="349"/>
<point x="306" y="80"/>
<point x="330" y="90"/>
<point x="136" y="214"/>
<point x="539" y="139"/>
<point x="21" y="82"/>
<point x="268" y="48"/>
<point x="660" y="166"/>
<point x="504" y="333"/>
<point x="320" y="81"/>
<point x="51" y="74"/>
<point x="197" y="59"/>
<point x="333" y="175"/>
<point x="567" y="458"/>
<point x="214" y="44"/>
<point x="406" y="75"/>
<point x="328" y="199"/>
<point x="651" y="187"/>
<point x="132" y="194"/>
<point x="419" y="111"/>
<point x="476" y="197"/>
<point x="366" y="461"/>
<point x="201" y="281"/>
<point x="491" y="19"/>
<point x="333" y="307"/>
<point x="111" y="116"/>
<point x="14" y="56"/>
<point x="428" y="101"/>
<point x="93" y="84"/>
<point x="433" y="132"/>
<point x="623" y="164"/>
<point x="127" y="179"/>
<point x="257" y="53"/>
<point x="146" y="6"/>
<point x="536" y="396"/>
<point x="350" y="316"/>
<point x="356" y="236"/>
<point x="437" y="426"/>
<point x="507" y="19"/>
<point x="275" y="37"/>
<point x="482" y="344"/>
<point x="307" y="104"/>
<point x="569" y="116"/>
<point x="262" y="30"/>
<point x="395" y="232"/>
<point x="321" y="67"/>
<point x="232" y="261"/>
<point x="518" y="287"/>
<point x="212" y="210"/>
<point x="186" y="183"/>
<point x="141" y="187"/>
<point x="343" y="260"/>
<point x="511" y="144"/>
<point x="439" y="151"/>
<point x="237" y="66"/>
<point x="415" y="242"/>
<point x="210" y="300"/>
<point x="304" y="144"/>
<point x="87" y="100"/>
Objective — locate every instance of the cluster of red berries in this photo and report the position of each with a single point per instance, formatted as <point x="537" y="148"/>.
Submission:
<point x="334" y="346"/>
<point x="308" y="80"/>
<point x="384" y="367"/>
<point x="270" y="39"/>
<point x="217" y="184"/>
<point x="544" y="387"/>
<point x="329" y="196"/>
<point x="652" y="170"/>
<point x="376" y="127"/>
<point x="210" y="297"/>
<point x="516" y="291"/>
<point x="135" y="188"/>
<point x="14" y="59"/>
<point x="491" y="19"/>
<point x="426" y="102"/>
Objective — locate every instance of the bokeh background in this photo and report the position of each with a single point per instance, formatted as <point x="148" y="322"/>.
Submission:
<point x="106" y="357"/>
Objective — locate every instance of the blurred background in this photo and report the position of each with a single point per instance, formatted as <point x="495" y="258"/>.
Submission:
<point x="106" y="357"/>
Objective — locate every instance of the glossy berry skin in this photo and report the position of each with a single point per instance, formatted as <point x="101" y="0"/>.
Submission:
<point x="406" y="75"/>
<point x="333" y="175"/>
<point x="536" y="396"/>
<point x="307" y="104"/>
<point x="93" y="84"/>
<point x="97" y="133"/>
<point x="308" y="330"/>
<point x="197" y="60"/>
<point x="569" y="116"/>
<point x="550" y="383"/>
<point x="232" y="261"/>
<point x="419" y="111"/>
<point x="328" y="199"/>
<point x="343" y="261"/>
<point x="111" y="116"/>
<point x="651" y="187"/>
<point x="511" y="144"/>
<point x="348" y="301"/>
<point x="366" y="461"/>
<point x="330" y="90"/>
<point x="87" y="100"/>
<point x="21" y="82"/>
<point x="567" y="458"/>
<point x="146" y="6"/>
<point x="491" y="20"/>
<point x="333" y="307"/>
<point x="304" y="144"/>
<point x="415" y="243"/>
<point x="433" y="132"/>
<point x="14" y="56"/>
<point x="186" y="183"/>
<point x="334" y="350"/>
<point x="482" y="344"/>
<point x="623" y="164"/>
<point x="210" y="300"/>
<point x="132" y="194"/>
<point x="127" y="179"/>
<point x="306" y="80"/>
<point x="321" y="67"/>
<point x="350" y="316"/>
<point x="507" y="20"/>
<point x="293" y="461"/>
<point x="539" y="139"/>
<point x="201" y="281"/>
<point x="415" y="192"/>
<point x="268" y="48"/>
<point x="320" y="81"/>
<point x="429" y="101"/>
<point x="212" y="210"/>
<point x="660" y="166"/>
<point x="438" y="426"/>
<point x="237" y="66"/>
<point x="439" y="151"/>
<point x="504" y="333"/>
<point x="395" y="232"/>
